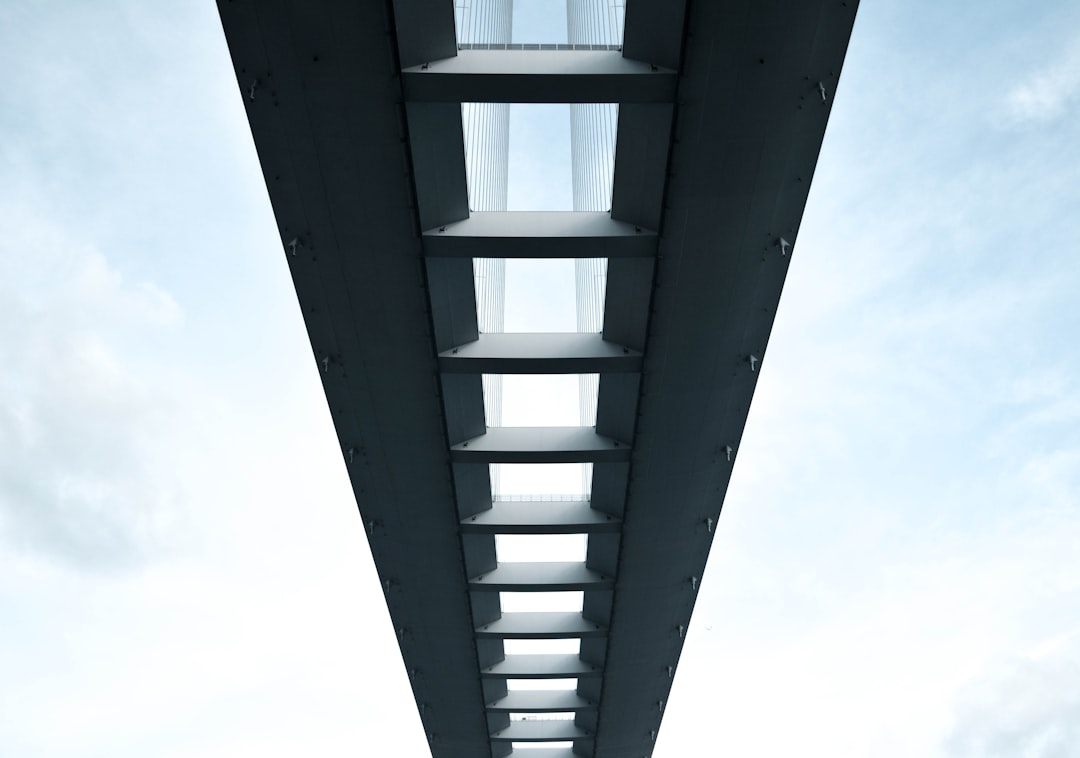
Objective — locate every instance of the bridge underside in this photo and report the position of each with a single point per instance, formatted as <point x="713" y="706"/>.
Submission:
<point x="355" y="111"/>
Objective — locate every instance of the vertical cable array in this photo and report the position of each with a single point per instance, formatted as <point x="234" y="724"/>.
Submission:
<point x="592" y="148"/>
<point x="486" y="128"/>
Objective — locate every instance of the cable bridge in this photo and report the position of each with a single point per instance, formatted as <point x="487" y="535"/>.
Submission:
<point x="355" y="108"/>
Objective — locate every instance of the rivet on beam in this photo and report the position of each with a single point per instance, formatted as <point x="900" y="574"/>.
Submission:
<point x="693" y="583"/>
<point x="293" y="243"/>
<point x="682" y="631"/>
<point x="821" y="91"/>
<point x="709" y="523"/>
<point x="660" y="705"/>
<point x="784" y="245"/>
<point x="652" y="735"/>
<point x="251" y="90"/>
<point x="728" y="449"/>
<point x="671" y="672"/>
<point x="754" y="360"/>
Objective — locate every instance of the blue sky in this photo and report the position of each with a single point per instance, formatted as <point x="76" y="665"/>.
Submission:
<point x="182" y="570"/>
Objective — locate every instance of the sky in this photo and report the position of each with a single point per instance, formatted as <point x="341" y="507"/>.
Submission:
<point x="182" y="568"/>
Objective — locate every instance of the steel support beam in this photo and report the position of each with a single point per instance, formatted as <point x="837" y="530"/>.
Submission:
<point x="554" y="752"/>
<point x="541" y="701"/>
<point x="555" y="353"/>
<point x="540" y="444"/>
<point x="541" y="731"/>
<point x="540" y="234"/>
<point x="540" y="577"/>
<point x="560" y="666"/>
<point x="745" y="140"/>
<point x="539" y="76"/>
<point x="540" y="517"/>
<point x="541" y="625"/>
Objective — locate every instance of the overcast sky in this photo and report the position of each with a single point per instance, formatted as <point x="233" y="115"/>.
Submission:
<point x="182" y="568"/>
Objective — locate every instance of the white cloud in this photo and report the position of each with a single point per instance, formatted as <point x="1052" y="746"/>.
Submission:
<point x="102" y="287"/>
<point x="1021" y="709"/>
<point x="83" y="475"/>
<point x="1047" y="93"/>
